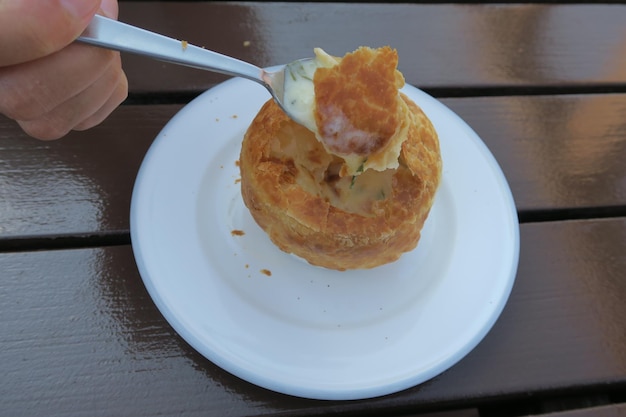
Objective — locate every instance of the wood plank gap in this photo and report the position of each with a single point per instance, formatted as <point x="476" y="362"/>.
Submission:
<point x="183" y="97"/>
<point x="154" y="98"/>
<point x="65" y="241"/>
<point x="551" y="406"/>
<point x="562" y="214"/>
<point x="522" y="90"/>
<point x="30" y="243"/>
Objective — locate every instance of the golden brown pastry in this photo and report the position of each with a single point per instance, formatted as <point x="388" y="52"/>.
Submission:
<point x="303" y="189"/>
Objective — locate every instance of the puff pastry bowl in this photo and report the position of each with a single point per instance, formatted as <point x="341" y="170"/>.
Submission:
<point x="298" y="193"/>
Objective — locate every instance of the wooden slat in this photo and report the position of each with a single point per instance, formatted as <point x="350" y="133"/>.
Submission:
<point x="80" y="184"/>
<point x="79" y="335"/>
<point x="558" y="152"/>
<point x="439" y="45"/>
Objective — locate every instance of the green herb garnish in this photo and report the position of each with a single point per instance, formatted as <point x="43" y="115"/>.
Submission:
<point x="359" y="170"/>
<point x="298" y="71"/>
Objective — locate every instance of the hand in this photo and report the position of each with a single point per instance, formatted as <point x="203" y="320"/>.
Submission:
<point x="48" y="84"/>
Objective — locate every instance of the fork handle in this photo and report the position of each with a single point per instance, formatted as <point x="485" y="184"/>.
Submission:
<point x="111" y="34"/>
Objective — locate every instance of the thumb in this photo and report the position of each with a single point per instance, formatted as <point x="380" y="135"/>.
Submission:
<point x="31" y="29"/>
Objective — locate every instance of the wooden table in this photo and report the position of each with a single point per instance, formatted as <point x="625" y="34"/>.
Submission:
<point x="544" y="85"/>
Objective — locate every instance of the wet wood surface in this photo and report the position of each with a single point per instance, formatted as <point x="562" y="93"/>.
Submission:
<point x="446" y="45"/>
<point x="80" y="333"/>
<point x="544" y="85"/>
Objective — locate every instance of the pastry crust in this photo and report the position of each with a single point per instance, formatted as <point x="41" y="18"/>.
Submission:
<point x="365" y="82"/>
<point x="293" y="189"/>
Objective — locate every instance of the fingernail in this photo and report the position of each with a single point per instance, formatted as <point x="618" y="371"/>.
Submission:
<point x="109" y="8"/>
<point x="80" y="8"/>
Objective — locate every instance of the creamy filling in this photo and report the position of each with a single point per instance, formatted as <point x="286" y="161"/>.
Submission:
<point x="300" y="101"/>
<point x="318" y="173"/>
<point x="299" y="89"/>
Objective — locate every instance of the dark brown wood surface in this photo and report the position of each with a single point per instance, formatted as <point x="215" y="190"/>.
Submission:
<point x="439" y="45"/>
<point x="78" y="324"/>
<point x="81" y="334"/>
<point x="544" y="85"/>
<point x="81" y="184"/>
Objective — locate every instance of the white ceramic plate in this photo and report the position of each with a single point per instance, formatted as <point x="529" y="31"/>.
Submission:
<point x="274" y="320"/>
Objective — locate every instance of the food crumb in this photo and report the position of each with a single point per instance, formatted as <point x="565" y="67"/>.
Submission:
<point x="247" y="266"/>
<point x="237" y="232"/>
<point x="266" y="272"/>
<point x="238" y="180"/>
<point x="217" y="119"/>
<point x="234" y="116"/>
<point x="184" y="44"/>
<point x="246" y="43"/>
<point x="237" y="163"/>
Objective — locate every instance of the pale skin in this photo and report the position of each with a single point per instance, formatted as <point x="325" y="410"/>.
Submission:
<point x="48" y="84"/>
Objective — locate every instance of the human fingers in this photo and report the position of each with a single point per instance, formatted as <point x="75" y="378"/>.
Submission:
<point x="117" y="97"/>
<point x="32" y="89"/>
<point x="84" y="110"/>
<point x="109" y="8"/>
<point x="30" y="29"/>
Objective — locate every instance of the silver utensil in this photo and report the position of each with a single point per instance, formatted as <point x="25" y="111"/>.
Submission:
<point x="111" y="34"/>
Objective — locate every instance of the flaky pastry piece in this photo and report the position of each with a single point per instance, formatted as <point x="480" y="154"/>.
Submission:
<point x="293" y="188"/>
<point x="358" y="112"/>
